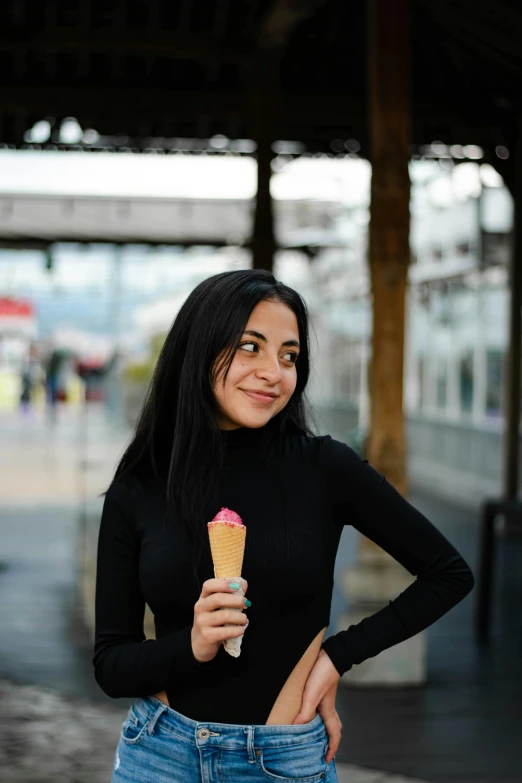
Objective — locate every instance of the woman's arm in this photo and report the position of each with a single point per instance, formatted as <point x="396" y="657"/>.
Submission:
<point x="362" y="497"/>
<point x="125" y="664"/>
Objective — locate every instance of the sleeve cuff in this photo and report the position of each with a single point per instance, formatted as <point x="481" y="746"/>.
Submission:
<point x="331" y="647"/>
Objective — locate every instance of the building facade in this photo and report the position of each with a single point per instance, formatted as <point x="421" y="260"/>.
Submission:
<point x="456" y="334"/>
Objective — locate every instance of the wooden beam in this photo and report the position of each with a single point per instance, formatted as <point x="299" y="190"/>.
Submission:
<point x="175" y="44"/>
<point x="281" y="19"/>
<point x="389" y="250"/>
<point x="490" y="30"/>
<point x="124" y="101"/>
<point x="317" y="109"/>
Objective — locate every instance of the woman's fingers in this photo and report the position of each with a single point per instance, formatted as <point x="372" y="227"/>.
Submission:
<point x="228" y="631"/>
<point x="223" y="586"/>
<point x="333" y="729"/>
<point x="217" y="594"/>
<point x="222" y="616"/>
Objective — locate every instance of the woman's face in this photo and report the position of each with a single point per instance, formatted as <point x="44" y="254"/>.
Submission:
<point x="262" y="376"/>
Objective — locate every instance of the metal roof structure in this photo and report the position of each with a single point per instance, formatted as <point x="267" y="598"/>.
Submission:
<point x="176" y="200"/>
<point x="36" y="221"/>
<point x="153" y="74"/>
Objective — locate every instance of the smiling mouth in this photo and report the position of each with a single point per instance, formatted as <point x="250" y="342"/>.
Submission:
<point x="259" y="396"/>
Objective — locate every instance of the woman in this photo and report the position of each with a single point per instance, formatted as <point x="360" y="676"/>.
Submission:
<point x="224" y="425"/>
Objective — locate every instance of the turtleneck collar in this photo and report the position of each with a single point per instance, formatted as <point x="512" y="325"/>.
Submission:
<point x="244" y="442"/>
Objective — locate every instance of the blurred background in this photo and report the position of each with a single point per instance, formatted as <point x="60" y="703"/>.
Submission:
<point x="370" y="155"/>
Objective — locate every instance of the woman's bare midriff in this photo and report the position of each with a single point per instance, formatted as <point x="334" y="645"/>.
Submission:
<point x="290" y="697"/>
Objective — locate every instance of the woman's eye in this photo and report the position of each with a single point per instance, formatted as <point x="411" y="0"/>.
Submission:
<point x="254" y="347"/>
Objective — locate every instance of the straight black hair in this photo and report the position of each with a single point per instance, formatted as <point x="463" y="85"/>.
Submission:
<point x="177" y="436"/>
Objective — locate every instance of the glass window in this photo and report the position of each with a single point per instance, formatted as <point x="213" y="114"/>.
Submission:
<point x="441" y="383"/>
<point x="463" y="248"/>
<point x="420" y="367"/>
<point x="350" y="371"/>
<point x="494" y="360"/>
<point x="466" y="382"/>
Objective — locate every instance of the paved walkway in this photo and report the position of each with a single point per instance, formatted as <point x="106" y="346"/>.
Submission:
<point x="56" y="462"/>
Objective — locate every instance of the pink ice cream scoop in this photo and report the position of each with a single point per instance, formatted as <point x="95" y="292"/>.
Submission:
<point x="226" y="515"/>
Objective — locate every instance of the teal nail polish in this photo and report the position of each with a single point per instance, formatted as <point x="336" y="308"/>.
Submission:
<point x="234" y="586"/>
<point x="248" y="603"/>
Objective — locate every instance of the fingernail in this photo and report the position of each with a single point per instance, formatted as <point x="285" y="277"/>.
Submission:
<point x="234" y="586"/>
<point x="248" y="603"/>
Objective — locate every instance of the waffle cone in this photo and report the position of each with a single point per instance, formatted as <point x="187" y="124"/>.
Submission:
<point x="227" y="544"/>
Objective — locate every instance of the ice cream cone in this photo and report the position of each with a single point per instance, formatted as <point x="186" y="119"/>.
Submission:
<point x="227" y="544"/>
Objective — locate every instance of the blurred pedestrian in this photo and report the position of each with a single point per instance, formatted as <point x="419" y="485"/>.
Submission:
<point x="52" y="369"/>
<point x="26" y="386"/>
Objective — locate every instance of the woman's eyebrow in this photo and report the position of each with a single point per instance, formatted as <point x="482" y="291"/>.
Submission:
<point x="262" y="337"/>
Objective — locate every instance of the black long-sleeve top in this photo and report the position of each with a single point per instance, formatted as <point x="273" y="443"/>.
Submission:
<point x="294" y="508"/>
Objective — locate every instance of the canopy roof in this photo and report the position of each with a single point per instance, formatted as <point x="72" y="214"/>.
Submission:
<point x="149" y="72"/>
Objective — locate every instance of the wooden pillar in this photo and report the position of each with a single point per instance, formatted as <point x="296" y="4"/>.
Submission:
<point x="376" y="578"/>
<point x="510" y="470"/>
<point x="264" y="114"/>
<point x="389" y="248"/>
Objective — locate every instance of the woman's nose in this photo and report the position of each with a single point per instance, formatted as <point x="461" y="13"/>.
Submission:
<point x="269" y="368"/>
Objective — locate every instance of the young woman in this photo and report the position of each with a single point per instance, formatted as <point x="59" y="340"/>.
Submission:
<point x="224" y="425"/>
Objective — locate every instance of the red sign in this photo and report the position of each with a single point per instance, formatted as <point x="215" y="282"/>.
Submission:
<point x="17" y="308"/>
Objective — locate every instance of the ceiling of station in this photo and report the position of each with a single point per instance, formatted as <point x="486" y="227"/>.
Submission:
<point x="152" y="73"/>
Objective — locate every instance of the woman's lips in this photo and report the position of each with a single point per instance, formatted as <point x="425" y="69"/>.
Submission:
<point x="264" y="398"/>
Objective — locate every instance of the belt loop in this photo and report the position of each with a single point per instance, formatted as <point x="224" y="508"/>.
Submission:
<point x="250" y="744"/>
<point x="157" y="715"/>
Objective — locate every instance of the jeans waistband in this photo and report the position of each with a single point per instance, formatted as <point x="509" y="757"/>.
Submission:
<point x="231" y="735"/>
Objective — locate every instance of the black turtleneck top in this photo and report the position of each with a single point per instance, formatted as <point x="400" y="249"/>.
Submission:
<point x="294" y="507"/>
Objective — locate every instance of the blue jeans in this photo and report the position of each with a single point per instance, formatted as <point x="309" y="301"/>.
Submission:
<point x="159" y="745"/>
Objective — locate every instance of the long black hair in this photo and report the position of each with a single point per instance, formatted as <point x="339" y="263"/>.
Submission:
<point x="177" y="436"/>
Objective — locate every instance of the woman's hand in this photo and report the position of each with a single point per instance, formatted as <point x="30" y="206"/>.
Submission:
<point x="319" y="694"/>
<point x="217" y="607"/>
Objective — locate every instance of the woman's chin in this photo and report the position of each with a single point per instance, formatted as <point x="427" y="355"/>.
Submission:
<point x="254" y="424"/>
<point x="253" y="420"/>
